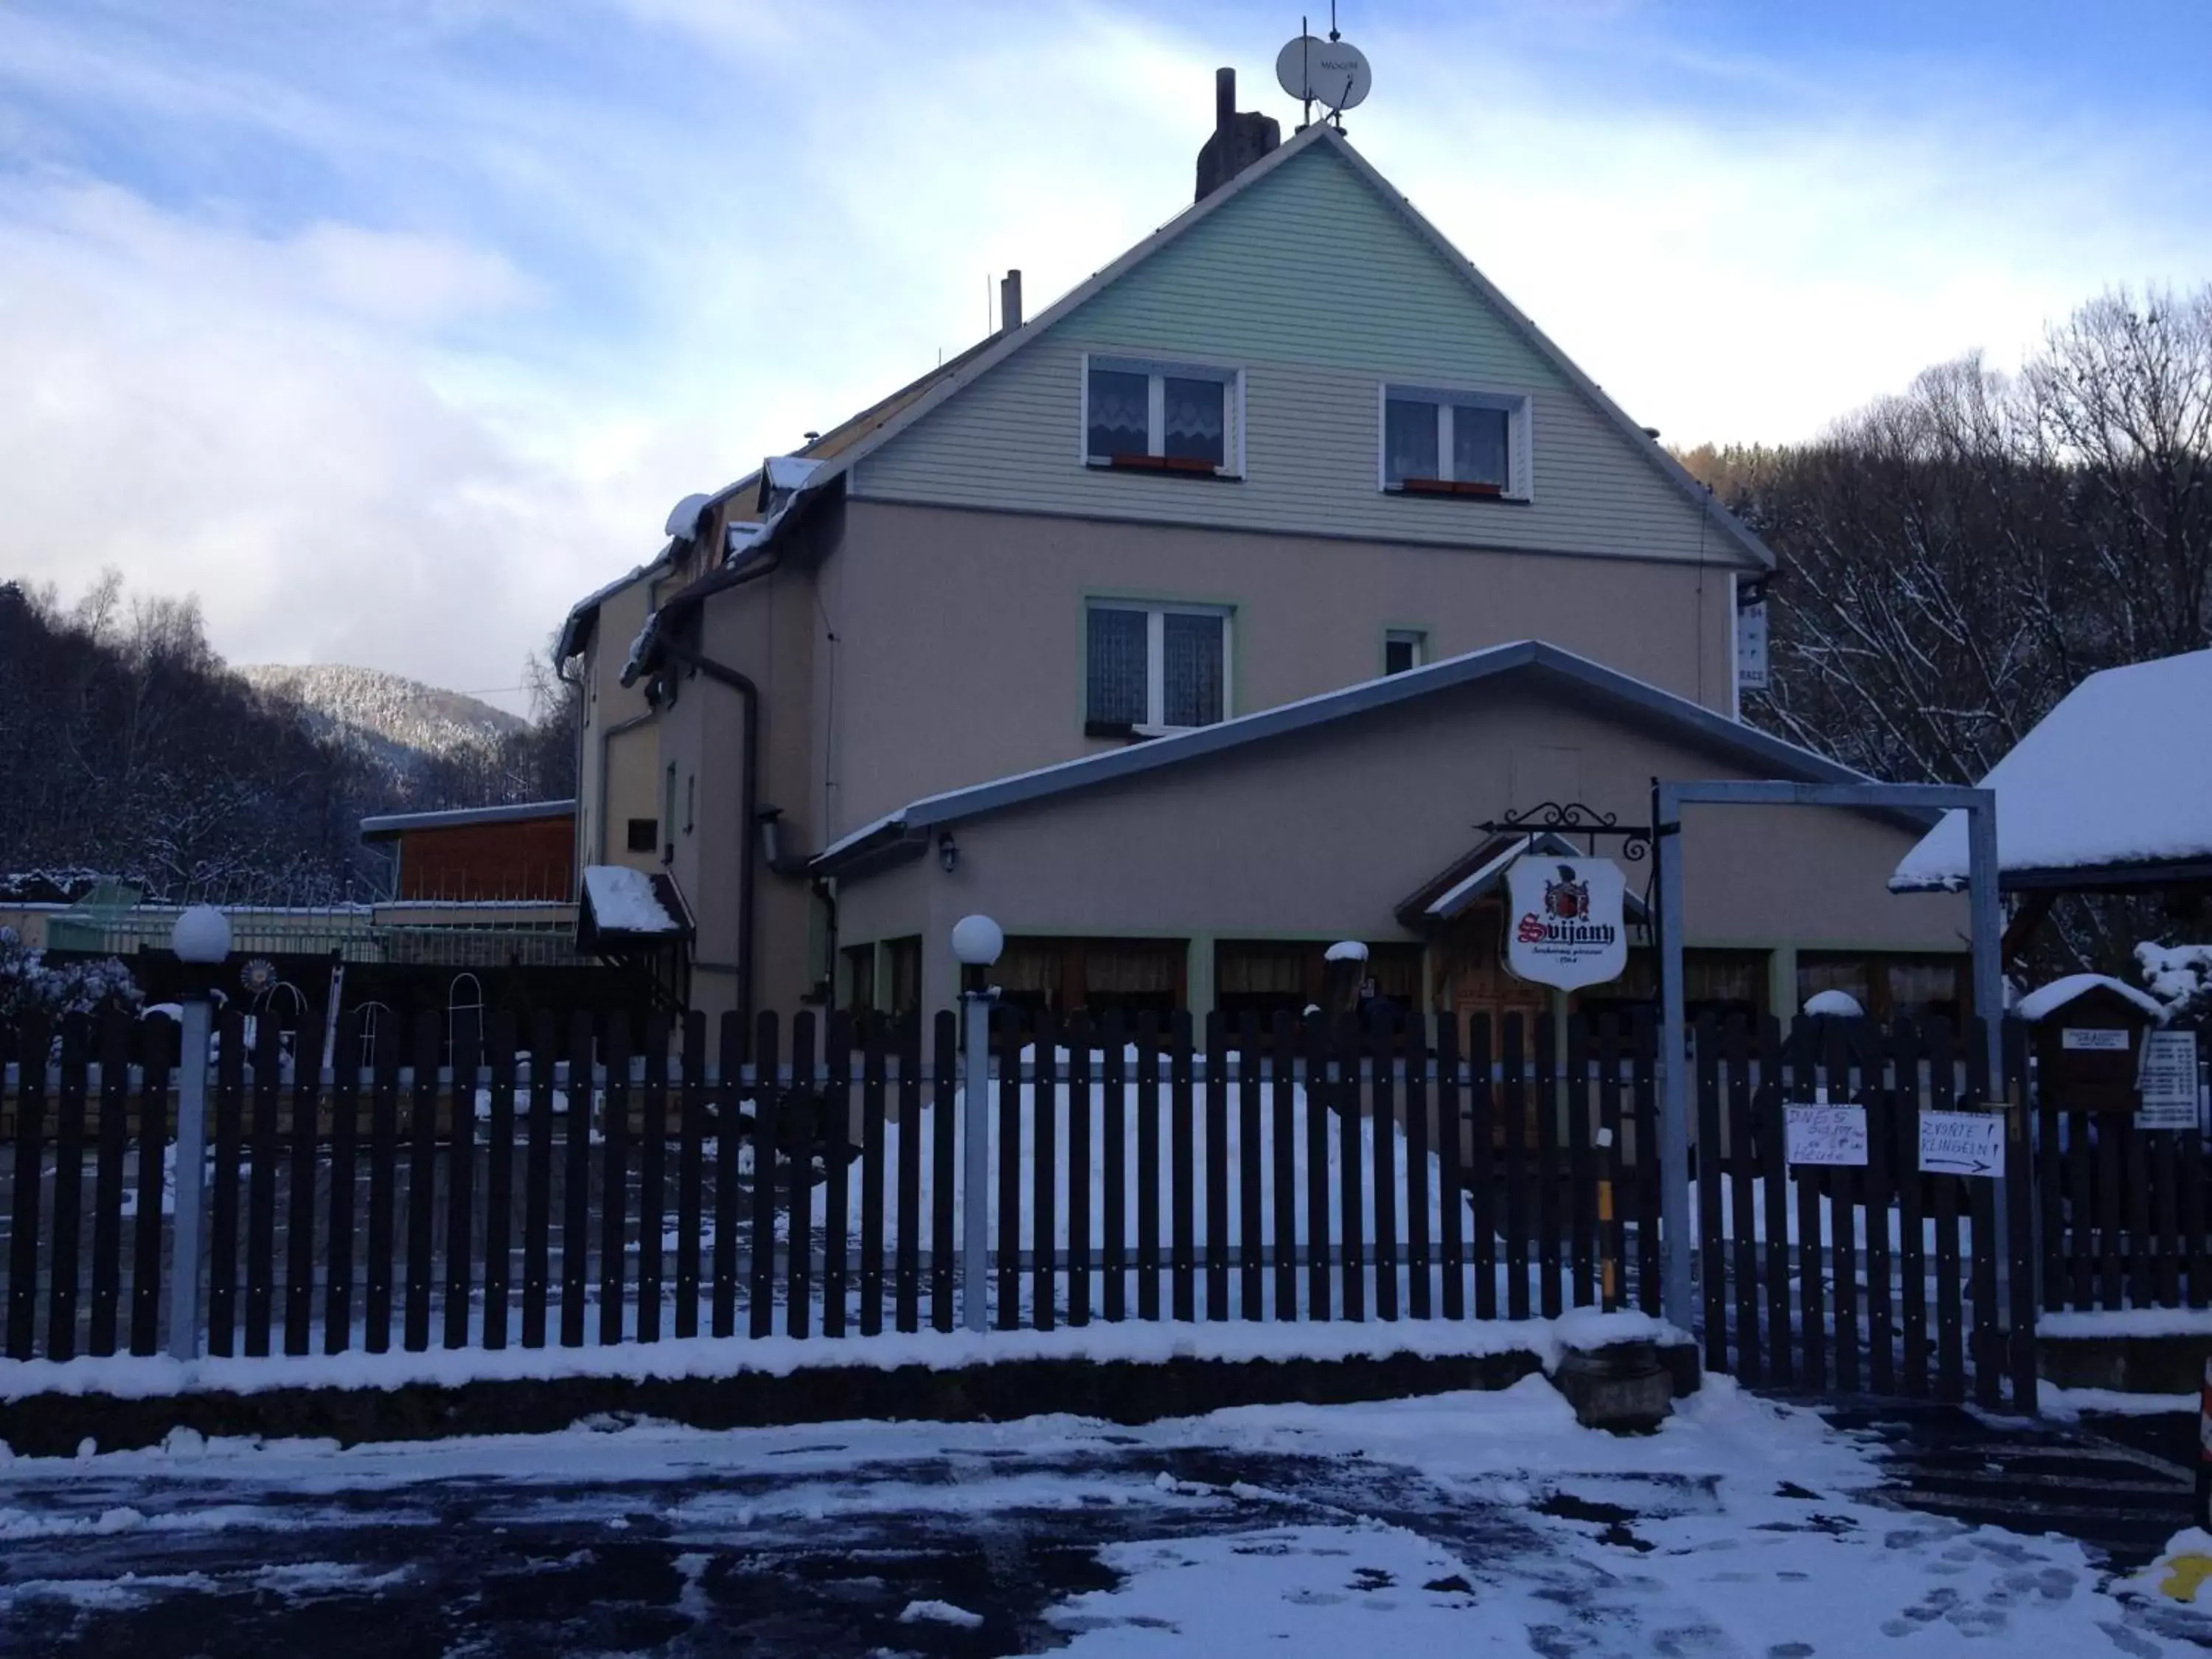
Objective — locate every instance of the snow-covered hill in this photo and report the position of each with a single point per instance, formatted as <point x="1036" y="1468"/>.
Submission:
<point x="398" y="723"/>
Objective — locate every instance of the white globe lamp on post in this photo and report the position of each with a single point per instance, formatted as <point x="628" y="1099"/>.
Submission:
<point x="200" y="938"/>
<point x="977" y="942"/>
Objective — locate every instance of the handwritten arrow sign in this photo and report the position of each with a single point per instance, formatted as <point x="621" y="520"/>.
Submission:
<point x="1962" y="1143"/>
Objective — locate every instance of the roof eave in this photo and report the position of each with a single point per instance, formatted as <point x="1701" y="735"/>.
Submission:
<point x="1578" y="676"/>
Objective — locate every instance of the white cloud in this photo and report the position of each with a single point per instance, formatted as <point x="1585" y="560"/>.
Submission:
<point x="392" y="347"/>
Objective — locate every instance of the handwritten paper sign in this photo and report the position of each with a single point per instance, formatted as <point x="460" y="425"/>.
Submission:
<point x="2167" y="1080"/>
<point x="1819" y="1133"/>
<point x="1962" y="1143"/>
<point x="2093" y="1040"/>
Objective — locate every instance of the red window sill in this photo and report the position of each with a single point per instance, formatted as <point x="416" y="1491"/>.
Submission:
<point x="1178" y="466"/>
<point x="1488" y="492"/>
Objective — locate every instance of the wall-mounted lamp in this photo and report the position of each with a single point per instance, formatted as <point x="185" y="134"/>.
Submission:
<point x="770" y="820"/>
<point x="948" y="851"/>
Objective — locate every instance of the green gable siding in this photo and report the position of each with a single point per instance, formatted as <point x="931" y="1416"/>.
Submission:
<point x="1318" y="290"/>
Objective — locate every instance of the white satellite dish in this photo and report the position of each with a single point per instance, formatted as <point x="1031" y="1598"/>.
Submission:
<point x="1331" y="73"/>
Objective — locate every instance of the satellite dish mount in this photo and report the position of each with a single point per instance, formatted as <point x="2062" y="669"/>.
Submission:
<point x="1331" y="73"/>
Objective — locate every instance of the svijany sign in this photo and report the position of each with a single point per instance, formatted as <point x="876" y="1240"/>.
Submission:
<point x="1563" y="924"/>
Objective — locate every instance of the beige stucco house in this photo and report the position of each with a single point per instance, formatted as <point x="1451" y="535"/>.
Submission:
<point x="1195" y="623"/>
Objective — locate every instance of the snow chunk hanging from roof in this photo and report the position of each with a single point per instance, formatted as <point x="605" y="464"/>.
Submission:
<point x="2118" y="773"/>
<point x="623" y="901"/>
<point x="2045" y="1000"/>
<point x="683" y="517"/>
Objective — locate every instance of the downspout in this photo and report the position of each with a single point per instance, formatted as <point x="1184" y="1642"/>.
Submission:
<point x="749" y="808"/>
<point x="748" y="877"/>
<point x="583" y="720"/>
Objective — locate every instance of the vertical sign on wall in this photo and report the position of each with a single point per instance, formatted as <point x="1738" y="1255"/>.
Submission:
<point x="1751" y="636"/>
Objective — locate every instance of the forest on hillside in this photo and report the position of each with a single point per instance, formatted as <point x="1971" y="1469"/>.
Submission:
<point x="1954" y="559"/>
<point x="128" y="748"/>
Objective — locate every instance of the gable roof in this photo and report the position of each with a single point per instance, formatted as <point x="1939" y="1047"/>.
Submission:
<point x="2112" y="787"/>
<point x="900" y="834"/>
<point x="913" y="402"/>
<point x="842" y="448"/>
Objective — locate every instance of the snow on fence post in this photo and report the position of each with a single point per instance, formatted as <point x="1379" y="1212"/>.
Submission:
<point x="202" y="939"/>
<point x="976" y="941"/>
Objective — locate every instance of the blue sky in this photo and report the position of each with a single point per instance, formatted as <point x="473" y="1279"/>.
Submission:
<point x="388" y="326"/>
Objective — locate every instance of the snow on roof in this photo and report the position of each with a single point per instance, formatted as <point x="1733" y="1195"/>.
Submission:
<point x="2118" y="773"/>
<point x="623" y="901"/>
<point x="684" y="518"/>
<point x="2047" y="1000"/>
<point x="790" y="471"/>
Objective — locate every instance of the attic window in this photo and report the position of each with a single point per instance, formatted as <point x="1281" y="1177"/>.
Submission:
<point x="1455" y="443"/>
<point x="1181" y="418"/>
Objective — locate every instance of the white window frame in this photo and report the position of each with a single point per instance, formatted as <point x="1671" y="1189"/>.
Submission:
<point x="1416" y="637"/>
<point x="1159" y="370"/>
<point x="1156" y="614"/>
<point x="1520" y="425"/>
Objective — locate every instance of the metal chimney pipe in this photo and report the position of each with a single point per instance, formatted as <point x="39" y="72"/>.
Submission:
<point x="1224" y="101"/>
<point x="1010" y="302"/>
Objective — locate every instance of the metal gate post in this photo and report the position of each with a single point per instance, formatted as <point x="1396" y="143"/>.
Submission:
<point x="976" y="942"/>
<point x="1987" y="921"/>
<point x="192" y="1180"/>
<point x="1676" y="1303"/>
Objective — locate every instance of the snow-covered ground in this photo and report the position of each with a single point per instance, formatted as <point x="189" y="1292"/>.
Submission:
<point x="1459" y="1524"/>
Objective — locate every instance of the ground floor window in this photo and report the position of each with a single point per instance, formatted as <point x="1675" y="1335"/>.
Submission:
<point x="902" y="975"/>
<point x="1265" y="977"/>
<point x="1890" y="985"/>
<point x="1721" y="984"/>
<point x="860" y="978"/>
<point x="1096" y="975"/>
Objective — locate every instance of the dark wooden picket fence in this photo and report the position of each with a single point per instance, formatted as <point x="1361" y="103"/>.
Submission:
<point x="2124" y="1212"/>
<point x="585" y="1182"/>
<point x="803" y="1177"/>
<point x="1882" y="1280"/>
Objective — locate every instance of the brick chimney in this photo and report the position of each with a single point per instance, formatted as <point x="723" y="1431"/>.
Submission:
<point x="1237" y="141"/>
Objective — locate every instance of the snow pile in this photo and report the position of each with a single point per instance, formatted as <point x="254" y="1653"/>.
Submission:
<point x="2179" y="977"/>
<point x="1839" y="1005"/>
<point x="2111" y="775"/>
<point x="940" y="1613"/>
<point x="1349" y="949"/>
<point x="2042" y="1003"/>
<point x="623" y="901"/>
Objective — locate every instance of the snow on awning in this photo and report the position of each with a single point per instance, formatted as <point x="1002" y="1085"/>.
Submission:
<point x="2115" y="778"/>
<point x="624" y="907"/>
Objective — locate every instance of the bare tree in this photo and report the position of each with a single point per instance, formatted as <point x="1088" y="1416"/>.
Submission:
<point x="1957" y="558"/>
